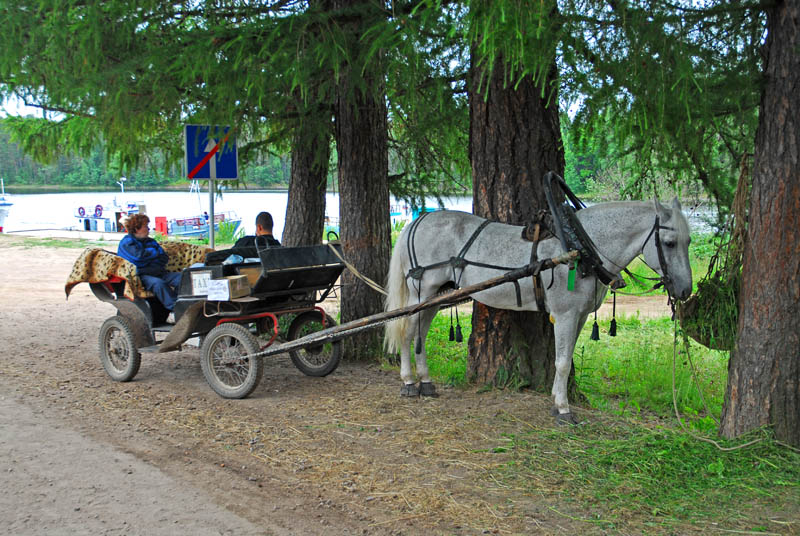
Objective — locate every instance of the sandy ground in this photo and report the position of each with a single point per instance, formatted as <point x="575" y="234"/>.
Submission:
<point x="163" y="454"/>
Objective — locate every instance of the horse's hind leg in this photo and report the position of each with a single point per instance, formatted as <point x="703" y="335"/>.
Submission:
<point x="426" y="387"/>
<point x="418" y="326"/>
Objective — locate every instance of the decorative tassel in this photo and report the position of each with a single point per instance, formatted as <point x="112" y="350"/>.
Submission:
<point x="612" y="330"/>
<point x="452" y="335"/>
<point x="417" y="347"/>
<point x="459" y="337"/>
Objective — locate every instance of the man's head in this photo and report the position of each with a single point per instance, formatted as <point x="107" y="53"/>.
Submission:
<point x="264" y="224"/>
<point x="137" y="225"/>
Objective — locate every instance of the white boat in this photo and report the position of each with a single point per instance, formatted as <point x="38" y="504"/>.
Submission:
<point x="108" y="218"/>
<point x="5" y="204"/>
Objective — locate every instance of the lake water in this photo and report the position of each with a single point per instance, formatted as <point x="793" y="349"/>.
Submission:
<point x="58" y="211"/>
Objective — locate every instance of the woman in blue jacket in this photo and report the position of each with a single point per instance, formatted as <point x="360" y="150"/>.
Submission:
<point x="150" y="260"/>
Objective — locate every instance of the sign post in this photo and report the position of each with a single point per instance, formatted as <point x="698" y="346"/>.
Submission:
<point x="210" y="153"/>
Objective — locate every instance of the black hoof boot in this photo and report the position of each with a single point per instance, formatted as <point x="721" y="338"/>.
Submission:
<point x="427" y="389"/>
<point x="409" y="390"/>
<point x="564" y="419"/>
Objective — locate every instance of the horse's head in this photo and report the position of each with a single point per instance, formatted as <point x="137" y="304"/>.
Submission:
<point x="666" y="249"/>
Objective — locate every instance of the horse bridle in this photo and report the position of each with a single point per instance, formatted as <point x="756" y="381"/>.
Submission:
<point x="665" y="278"/>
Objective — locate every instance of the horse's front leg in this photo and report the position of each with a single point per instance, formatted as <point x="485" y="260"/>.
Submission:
<point x="566" y="333"/>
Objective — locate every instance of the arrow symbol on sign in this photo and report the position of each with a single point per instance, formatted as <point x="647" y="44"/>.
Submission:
<point x="211" y="148"/>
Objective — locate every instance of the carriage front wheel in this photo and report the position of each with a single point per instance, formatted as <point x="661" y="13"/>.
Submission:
<point x="226" y="362"/>
<point x="118" y="351"/>
<point x="320" y="359"/>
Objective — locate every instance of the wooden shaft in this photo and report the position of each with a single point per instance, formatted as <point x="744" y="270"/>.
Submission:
<point x="337" y="332"/>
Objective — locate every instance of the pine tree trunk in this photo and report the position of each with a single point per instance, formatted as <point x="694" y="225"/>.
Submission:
<point x="305" y="212"/>
<point x="764" y="369"/>
<point x="514" y="140"/>
<point x="362" y="145"/>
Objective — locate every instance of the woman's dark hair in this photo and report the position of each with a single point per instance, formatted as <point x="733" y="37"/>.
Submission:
<point x="135" y="221"/>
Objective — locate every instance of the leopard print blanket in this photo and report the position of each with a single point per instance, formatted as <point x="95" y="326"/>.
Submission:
<point x="96" y="265"/>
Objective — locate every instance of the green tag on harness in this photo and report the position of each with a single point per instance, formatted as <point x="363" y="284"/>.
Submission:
<point x="571" y="276"/>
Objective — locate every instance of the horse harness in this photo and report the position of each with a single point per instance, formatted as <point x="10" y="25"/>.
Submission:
<point x="560" y="221"/>
<point x="457" y="262"/>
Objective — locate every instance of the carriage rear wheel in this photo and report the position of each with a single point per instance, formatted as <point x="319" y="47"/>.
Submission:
<point x="318" y="360"/>
<point x="118" y="351"/>
<point x="225" y="362"/>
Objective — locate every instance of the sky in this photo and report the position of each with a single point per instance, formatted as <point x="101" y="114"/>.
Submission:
<point x="13" y="106"/>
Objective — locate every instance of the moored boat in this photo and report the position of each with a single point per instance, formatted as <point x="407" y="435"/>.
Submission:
<point x="109" y="218"/>
<point x="197" y="226"/>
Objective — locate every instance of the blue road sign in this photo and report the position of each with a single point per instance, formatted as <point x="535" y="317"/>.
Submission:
<point x="210" y="152"/>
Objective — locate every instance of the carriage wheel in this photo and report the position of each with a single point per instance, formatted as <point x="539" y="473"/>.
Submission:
<point x="226" y="367"/>
<point x="318" y="360"/>
<point x="118" y="351"/>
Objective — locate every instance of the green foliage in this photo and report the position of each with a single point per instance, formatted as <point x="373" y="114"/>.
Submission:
<point x="397" y="228"/>
<point x="632" y="372"/>
<point x="228" y="233"/>
<point x="664" y="93"/>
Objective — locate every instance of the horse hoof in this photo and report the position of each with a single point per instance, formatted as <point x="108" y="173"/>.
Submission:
<point x="427" y="389"/>
<point x="554" y="411"/>
<point x="409" y="390"/>
<point x="564" y="419"/>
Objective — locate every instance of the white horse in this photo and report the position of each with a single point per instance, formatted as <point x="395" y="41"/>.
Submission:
<point x="620" y="231"/>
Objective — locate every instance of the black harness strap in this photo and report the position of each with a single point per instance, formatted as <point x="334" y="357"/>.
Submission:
<point x="457" y="262"/>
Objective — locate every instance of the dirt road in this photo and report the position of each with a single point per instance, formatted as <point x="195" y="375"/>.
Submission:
<point x="164" y="454"/>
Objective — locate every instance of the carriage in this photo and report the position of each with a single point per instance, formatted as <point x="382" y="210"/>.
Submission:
<point x="483" y="260"/>
<point x="282" y="282"/>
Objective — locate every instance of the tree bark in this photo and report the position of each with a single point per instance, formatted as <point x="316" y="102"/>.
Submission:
<point x="515" y="139"/>
<point x="764" y="369"/>
<point x="305" y="212"/>
<point x="362" y="145"/>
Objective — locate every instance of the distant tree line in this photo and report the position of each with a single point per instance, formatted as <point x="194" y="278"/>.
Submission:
<point x="96" y="170"/>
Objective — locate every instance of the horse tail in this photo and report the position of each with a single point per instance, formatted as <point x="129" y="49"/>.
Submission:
<point x="397" y="294"/>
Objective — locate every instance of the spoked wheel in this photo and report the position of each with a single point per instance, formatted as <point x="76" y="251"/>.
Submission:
<point x="225" y="364"/>
<point x="318" y="360"/>
<point x="118" y="351"/>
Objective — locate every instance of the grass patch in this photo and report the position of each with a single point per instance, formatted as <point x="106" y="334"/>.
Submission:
<point x="623" y="471"/>
<point x="69" y="243"/>
<point x="632" y="372"/>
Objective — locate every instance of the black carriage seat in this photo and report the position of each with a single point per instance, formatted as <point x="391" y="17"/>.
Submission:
<point x="297" y="270"/>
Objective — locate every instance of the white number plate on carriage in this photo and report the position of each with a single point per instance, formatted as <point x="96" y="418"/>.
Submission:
<point x="200" y="281"/>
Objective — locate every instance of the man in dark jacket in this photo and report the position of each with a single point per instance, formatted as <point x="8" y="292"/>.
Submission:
<point x="263" y="237"/>
<point x="150" y="260"/>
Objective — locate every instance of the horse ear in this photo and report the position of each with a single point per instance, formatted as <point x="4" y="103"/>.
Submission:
<point x="676" y="205"/>
<point x="660" y="209"/>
